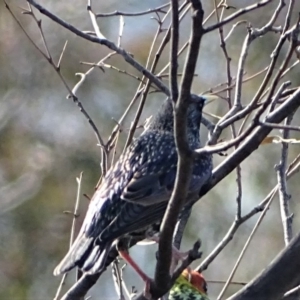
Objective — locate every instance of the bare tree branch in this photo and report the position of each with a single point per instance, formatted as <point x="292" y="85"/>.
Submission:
<point x="280" y="276"/>
<point x="159" y="9"/>
<point x="284" y="197"/>
<point x="158" y="54"/>
<point x="270" y="105"/>
<point x="127" y="57"/>
<point x="253" y="141"/>
<point x="233" y="160"/>
<point x="184" y="168"/>
<point x="237" y="14"/>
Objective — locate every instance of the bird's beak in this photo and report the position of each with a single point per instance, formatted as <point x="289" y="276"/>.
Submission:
<point x="209" y="98"/>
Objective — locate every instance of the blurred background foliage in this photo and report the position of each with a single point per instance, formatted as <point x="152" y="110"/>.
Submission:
<point x="45" y="142"/>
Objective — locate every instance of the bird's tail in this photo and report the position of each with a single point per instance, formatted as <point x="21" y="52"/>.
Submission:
<point x="97" y="259"/>
<point x="86" y="255"/>
<point x="76" y="255"/>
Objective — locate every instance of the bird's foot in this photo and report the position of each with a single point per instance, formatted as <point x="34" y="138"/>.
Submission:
<point x="177" y="254"/>
<point x="147" y="294"/>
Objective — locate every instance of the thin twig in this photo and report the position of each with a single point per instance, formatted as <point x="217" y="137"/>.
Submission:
<point x="162" y="46"/>
<point x="118" y="280"/>
<point x="174" y="49"/>
<point x="267" y="78"/>
<point x="267" y="284"/>
<point x="280" y="126"/>
<point x="238" y="261"/>
<point x="94" y="21"/>
<point x="284" y="197"/>
<point x="185" y="45"/>
<point x="49" y="58"/>
<point x="72" y="235"/>
<point x="237" y="14"/>
<point x="234" y="26"/>
<point x="134" y="14"/>
<point x="293" y="168"/>
<point x="247" y="79"/>
<point x="127" y="57"/>
<point x="180" y="226"/>
<point x="237" y="100"/>
<point x="293" y="292"/>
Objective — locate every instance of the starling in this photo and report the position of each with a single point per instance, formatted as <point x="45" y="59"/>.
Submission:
<point x="132" y="199"/>
<point x="190" y="285"/>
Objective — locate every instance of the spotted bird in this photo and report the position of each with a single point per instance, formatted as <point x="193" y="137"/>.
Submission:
<point x="132" y="199"/>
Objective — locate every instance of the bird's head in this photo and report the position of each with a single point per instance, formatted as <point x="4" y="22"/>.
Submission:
<point x="164" y="119"/>
<point x="194" y="113"/>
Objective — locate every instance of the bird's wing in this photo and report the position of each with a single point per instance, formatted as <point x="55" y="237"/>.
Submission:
<point x="154" y="172"/>
<point x="141" y="172"/>
<point x="135" y="217"/>
<point x="134" y="194"/>
<point x="148" y="191"/>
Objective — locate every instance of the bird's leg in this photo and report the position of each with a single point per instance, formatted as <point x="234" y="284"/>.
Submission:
<point x="125" y="255"/>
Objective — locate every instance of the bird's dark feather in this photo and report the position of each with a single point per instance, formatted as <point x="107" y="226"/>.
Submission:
<point x="134" y="194"/>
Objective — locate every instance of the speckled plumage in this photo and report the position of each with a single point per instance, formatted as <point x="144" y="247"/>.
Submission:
<point x="133" y="196"/>
<point x="190" y="285"/>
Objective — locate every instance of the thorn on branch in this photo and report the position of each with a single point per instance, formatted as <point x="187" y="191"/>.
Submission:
<point x="68" y="212"/>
